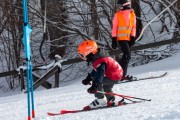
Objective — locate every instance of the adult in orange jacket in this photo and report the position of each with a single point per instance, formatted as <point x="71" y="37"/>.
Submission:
<point x="124" y="32"/>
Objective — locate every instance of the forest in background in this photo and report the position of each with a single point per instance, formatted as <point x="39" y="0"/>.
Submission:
<point x="58" y="27"/>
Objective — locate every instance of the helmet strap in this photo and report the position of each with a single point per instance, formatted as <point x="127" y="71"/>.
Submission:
<point x="90" y="58"/>
<point x="127" y="7"/>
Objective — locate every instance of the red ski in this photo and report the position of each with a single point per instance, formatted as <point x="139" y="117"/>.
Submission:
<point x="62" y="112"/>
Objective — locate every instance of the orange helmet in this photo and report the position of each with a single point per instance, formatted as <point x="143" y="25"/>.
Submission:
<point x="87" y="47"/>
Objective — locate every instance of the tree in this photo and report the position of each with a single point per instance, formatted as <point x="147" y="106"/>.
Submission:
<point x="137" y="9"/>
<point x="11" y="34"/>
<point x="72" y="21"/>
<point x="56" y="12"/>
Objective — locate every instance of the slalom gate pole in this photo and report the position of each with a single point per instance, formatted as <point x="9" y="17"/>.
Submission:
<point x="123" y="96"/>
<point x="26" y="41"/>
<point x="28" y="90"/>
<point x="32" y="90"/>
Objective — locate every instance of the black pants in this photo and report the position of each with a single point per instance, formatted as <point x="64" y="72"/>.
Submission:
<point x="125" y="48"/>
<point x="106" y="86"/>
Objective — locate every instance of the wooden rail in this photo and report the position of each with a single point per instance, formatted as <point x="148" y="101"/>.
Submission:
<point x="55" y="70"/>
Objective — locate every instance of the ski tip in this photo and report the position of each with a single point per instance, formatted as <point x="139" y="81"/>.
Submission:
<point x="49" y="114"/>
<point x="52" y="114"/>
<point x="166" y="73"/>
<point x="64" y="111"/>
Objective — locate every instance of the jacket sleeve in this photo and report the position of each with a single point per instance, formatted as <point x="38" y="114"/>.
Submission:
<point x="114" y="26"/>
<point x="98" y="75"/>
<point x="133" y="32"/>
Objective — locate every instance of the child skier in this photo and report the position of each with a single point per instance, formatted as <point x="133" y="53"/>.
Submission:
<point x="106" y="72"/>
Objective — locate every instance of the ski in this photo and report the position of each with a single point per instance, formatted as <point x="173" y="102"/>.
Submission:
<point x="145" y="78"/>
<point x="62" y="112"/>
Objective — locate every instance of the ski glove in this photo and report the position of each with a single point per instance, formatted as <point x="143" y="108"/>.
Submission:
<point x="87" y="80"/>
<point x="93" y="88"/>
<point x="114" y="42"/>
<point x="132" y="41"/>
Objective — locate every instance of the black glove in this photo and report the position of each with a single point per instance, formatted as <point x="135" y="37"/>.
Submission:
<point x="132" y="41"/>
<point x="114" y="42"/>
<point x="87" y="80"/>
<point x="93" y="88"/>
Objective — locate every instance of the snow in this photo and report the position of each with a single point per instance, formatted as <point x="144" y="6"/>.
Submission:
<point x="164" y="92"/>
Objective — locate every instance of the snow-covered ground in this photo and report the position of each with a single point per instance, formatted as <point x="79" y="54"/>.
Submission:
<point x="164" y="92"/>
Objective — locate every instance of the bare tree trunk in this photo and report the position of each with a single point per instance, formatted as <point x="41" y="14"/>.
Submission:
<point x="11" y="35"/>
<point x="94" y="17"/>
<point x="178" y="12"/>
<point x="136" y="7"/>
<point x="56" y="12"/>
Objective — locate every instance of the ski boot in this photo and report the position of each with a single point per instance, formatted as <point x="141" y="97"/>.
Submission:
<point x="112" y="102"/>
<point x="128" y="77"/>
<point x="121" y="102"/>
<point x="97" y="103"/>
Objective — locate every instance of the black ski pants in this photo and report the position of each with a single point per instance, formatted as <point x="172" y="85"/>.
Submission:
<point x="125" y="48"/>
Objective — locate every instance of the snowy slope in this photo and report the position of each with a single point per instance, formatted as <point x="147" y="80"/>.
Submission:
<point x="164" y="92"/>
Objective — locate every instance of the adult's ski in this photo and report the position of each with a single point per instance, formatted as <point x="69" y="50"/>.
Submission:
<point x="145" y="78"/>
<point x="62" y="112"/>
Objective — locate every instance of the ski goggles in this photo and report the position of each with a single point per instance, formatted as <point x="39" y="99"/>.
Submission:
<point x="121" y="5"/>
<point x="82" y="56"/>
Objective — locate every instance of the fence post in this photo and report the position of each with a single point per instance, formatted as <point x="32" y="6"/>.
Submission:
<point x="57" y="74"/>
<point x="22" y="79"/>
<point x="57" y="77"/>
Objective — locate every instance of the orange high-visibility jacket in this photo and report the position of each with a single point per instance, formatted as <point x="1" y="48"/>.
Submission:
<point x="124" y="25"/>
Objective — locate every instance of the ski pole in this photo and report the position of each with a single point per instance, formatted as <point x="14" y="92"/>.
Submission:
<point x="123" y="96"/>
<point x="26" y="41"/>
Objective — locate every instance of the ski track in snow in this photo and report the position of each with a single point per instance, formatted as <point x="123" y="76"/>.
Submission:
<point x="164" y="92"/>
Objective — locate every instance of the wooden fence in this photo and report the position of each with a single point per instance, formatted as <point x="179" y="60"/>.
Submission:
<point x="55" y="70"/>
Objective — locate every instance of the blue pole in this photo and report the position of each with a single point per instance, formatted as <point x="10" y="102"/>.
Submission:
<point x="26" y="41"/>
<point x="32" y="89"/>
<point x="28" y="91"/>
